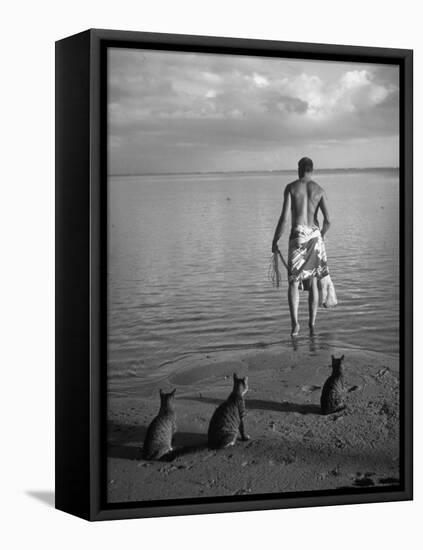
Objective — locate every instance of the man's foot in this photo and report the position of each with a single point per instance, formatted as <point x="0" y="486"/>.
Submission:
<point x="295" y="330"/>
<point x="312" y="329"/>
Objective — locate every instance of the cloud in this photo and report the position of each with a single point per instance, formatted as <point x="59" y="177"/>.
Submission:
<point x="260" y="80"/>
<point x="182" y="111"/>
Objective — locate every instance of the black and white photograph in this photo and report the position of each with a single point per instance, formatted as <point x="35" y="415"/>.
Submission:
<point x="253" y="275"/>
<point x="209" y="312"/>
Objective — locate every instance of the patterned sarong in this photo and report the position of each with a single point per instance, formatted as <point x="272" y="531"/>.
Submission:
<point x="306" y="255"/>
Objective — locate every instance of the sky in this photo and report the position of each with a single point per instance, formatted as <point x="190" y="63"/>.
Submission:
<point x="189" y="112"/>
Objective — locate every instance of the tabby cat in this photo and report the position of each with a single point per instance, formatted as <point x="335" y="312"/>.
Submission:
<point x="158" y="441"/>
<point x="332" y="398"/>
<point x="228" y="418"/>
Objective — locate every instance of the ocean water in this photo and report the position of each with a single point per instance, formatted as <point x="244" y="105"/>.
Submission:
<point x="188" y="260"/>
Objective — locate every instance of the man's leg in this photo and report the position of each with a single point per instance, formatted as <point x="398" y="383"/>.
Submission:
<point x="313" y="302"/>
<point x="293" y="300"/>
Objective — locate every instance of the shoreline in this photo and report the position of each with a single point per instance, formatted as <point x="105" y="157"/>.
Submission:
<point x="292" y="448"/>
<point x="295" y="349"/>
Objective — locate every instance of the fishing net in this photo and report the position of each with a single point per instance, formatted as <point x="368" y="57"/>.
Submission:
<point x="275" y="266"/>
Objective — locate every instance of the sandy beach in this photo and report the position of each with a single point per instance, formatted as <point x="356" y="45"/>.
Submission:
<point x="292" y="448"/>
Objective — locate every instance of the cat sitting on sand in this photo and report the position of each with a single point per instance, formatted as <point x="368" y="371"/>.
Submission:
<point x="228" y="418"/>
<point x="158" y="441"/>
<point x="333" y="393"/>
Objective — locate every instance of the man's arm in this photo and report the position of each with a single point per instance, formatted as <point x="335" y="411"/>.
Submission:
<point x="280" y="228"/>
<point x="323" y="205"/>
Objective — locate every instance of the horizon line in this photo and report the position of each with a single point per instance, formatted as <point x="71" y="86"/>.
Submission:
<point x="278" y="170"/>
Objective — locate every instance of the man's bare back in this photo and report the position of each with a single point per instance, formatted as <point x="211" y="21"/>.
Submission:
<point x="303" y="199"/>
<point x="306" y="199"/>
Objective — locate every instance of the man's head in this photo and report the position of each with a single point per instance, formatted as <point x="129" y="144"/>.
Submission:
<point x="305" y="169"/>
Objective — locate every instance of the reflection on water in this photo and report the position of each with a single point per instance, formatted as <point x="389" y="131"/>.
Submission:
<point x="188" y="260"/>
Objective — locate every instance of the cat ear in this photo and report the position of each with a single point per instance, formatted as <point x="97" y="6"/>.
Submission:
<point x="161" y="392"/>
<point x="333" y="357"/>
<point x="235" y="376"/>
<point x="172" y="393"/>
<point x="342" y="358"/>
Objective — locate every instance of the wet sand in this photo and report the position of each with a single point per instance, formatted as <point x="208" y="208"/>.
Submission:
<point x="292" y="448"/>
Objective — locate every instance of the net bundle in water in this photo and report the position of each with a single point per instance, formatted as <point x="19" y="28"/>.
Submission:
<point x="275" y="266"/>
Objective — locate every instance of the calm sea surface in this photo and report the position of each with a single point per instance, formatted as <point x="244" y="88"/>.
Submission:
<point x="188" y="261"/>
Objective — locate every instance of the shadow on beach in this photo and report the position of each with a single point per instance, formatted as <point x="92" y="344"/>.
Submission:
<point x="263" y="405"/>
<point x="126" y="442"/>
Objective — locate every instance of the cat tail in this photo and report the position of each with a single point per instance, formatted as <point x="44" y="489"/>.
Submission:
<point x="154" y="455"/>
<point x="224" y="440"/>
<point x="326" y="412"/>
<point x="183" y="450"/>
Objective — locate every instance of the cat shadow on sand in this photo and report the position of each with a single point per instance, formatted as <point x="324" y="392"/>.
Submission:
<point x="126" y="442"/>
<point x="262" y="405"/>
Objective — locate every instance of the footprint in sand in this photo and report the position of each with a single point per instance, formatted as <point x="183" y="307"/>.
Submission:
<point x="364" y="480"/>
<point x="243" y="491"/>
<point x="382" y="372"/>
<point x="389" y="481"/>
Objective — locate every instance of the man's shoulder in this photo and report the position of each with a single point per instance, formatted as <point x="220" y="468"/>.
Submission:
<point x="316" y="186"/>
<point x="289" y="186"/>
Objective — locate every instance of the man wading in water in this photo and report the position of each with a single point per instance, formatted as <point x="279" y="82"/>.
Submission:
<point x="307" y="260"/>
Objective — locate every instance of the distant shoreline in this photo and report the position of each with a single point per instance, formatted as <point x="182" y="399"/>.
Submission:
<point x="250" y="172"/>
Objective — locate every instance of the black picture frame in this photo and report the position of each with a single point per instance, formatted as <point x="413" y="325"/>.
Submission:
<point x="81" y="218"/>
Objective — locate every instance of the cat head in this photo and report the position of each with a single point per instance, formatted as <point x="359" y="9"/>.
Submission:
<point x="337" y="364"/>
<point x="240" y="385"/>
<point x="167" y="398"/>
